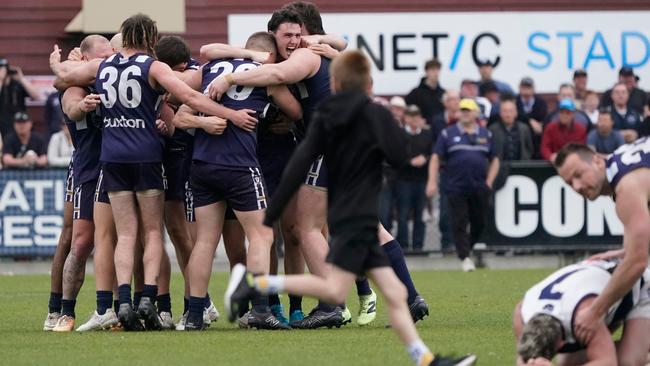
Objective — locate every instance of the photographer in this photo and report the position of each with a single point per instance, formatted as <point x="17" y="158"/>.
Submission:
<point x="14" y="87"/>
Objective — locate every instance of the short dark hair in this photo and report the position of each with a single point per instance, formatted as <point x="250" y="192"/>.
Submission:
<point x="261" y="41"/>
<point x="540" y="337"/>
<point x="585" y="152"/>
<point x="309" y="14"/>
<point x="139" y="32"/>
<point x="606" y="110"/>
<point x="172" y="50"/>
<point x="432" y="64"/>
<point x="282" y="16"/>
<point x="508" y="97"/>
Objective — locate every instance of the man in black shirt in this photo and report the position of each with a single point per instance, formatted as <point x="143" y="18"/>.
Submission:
<point x="638" y="97"/>
<point x="428" y="95"/>
<point x="14" y="87"/>
<point x="355" y="136"/>
<point x="412" y="179"/>
<point x="24" y="149"/>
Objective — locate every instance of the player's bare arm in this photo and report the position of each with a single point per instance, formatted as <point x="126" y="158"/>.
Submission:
<point x="188" y="118"/>
<point x="631" y="207"/>
<point x="285" y="101"/>
<point x="161" y="74"/>
<point x="215" y="51"/>
<point x="301" y="65"/>
<point x="76" y="102"/>
<point x="337" y="42"/>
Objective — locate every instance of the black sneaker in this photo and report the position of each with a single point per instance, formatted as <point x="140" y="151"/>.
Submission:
<point x="418" y="309"/>
<point x="265" y="320"/>
<point x="129" y="319"/>
<point x="239" y="292"/>
<point x="148" y="313"/>
<point x="318" y="318"/>
<point x="448" y="361"/>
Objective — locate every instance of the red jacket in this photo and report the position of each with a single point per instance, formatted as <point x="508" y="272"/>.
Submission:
<point x="556" y="136"/>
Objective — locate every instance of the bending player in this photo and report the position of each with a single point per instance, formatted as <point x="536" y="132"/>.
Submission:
<point x="355" y="135"/>
<point x="543" y="321"/>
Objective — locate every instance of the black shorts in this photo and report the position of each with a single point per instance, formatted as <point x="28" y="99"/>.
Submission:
<point x="101" y="195"/>
<point x="69" y="184"/>
<point x="177" y="173"/>
<point x="243" y="189"/>
<point x="135" y="177"/>
<point x="317" y="176"/>
<point x="84" y="199"/>
<point x="230" y="214"/>
<point x="272" y="168"/>
<point x="357" y="250"/>
<point x="189" y="203"/>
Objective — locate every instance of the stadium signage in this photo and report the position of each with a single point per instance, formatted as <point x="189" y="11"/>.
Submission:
<point x="31" y="210"/>
<point x="536" y="207"/>
<point x="547" y="46"/>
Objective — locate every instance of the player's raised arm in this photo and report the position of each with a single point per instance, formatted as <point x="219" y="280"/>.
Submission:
<point x="215" y="51"/>
<point x="337" y="42"/>
<point x="302" y="64"/>
<point x="72" y="72"/>
<point x="163" y="75"/>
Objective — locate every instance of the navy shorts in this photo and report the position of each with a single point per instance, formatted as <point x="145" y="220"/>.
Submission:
<point x="317" y="176"/>
<point x="69" y="184"/>
<point x="177" y="173"/>
<point x="230" y="214"/>
<point x="135" y="177"/>
<point x="357" y="250"/>
<point x="272" y="168"/>
<point x="243" y="189"/>
<point x="189" y="203"/>
<point x="84" y="199"/>
<point x="101" y="195"/>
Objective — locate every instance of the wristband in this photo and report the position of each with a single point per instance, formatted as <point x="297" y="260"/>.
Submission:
<point x="229" y="79"/>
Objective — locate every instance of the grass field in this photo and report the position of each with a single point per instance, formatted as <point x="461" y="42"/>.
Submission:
<point x="470" y="312"/>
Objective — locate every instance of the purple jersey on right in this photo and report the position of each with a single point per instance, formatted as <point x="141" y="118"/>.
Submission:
<point x="626" y="159"/>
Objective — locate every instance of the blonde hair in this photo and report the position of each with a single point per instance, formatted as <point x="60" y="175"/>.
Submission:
<point x="351" y="69"/>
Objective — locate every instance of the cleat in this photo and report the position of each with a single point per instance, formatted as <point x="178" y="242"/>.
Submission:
<point x="149" y="315"/>
<point x="64" y="324"/>
<point x="129" y="319"/>
<point x="99" y="322"/>
<point x="468" y="265"/>
<point x="367" y="309"/>
<point x="239" y="291"/>
<point x="243" y="320"/>
<point x="346" y="314"/>
<point x="211" y="314"/>
<point x="181" y="322"/>
<point x="418" y="309"/>
<point x="296" y="315"/>
<point x="166" y="320"/>
<point x="50" y="321"/>
<point x="278" y="313"/>
<point x="189" y="326"/>
<point x="318" y="318"/>
<point x="265" y="321"/>
<point x="468" y="360"/>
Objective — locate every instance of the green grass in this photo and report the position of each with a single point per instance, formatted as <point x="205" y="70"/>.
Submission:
<point x="469" y="313"/>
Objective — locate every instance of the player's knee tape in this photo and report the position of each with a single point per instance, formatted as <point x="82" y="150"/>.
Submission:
<point x="150" y="193"/>
<point x="116" y="194"/>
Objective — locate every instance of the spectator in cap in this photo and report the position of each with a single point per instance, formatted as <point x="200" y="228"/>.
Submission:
<point x="24" y="149"/>
<point x="14" y="88"/>
<point x="637" y="98"/>
<point x="626" y="119"/>
<point x="590" y="106"/>
<point x="604" y="138"/>
<point x="531" y="110"/>
<point x="580" y="85"/>
<point x="471" y="165"/>
<point x="485" y="69"/>
<point x="567" y="91"/>
<point x="397" y="108"/>
<point x="412" y="179"/>
<point x="469" y="90"/>
<point x="559" y="133"/>
<point x="428" y="95"/>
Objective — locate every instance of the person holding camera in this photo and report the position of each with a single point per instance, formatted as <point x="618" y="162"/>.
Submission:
<point x="24" y="149"/>
<point x="14" y="87"/>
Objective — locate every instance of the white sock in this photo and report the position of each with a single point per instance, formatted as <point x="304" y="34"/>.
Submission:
<point x="419" y="352"/>
<point x="269" y="284"/>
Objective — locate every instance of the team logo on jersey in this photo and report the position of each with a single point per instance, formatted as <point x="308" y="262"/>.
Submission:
<point x="123" y="122"/>
<point x="548" y="308"/>
<point x="481" y="140"/>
